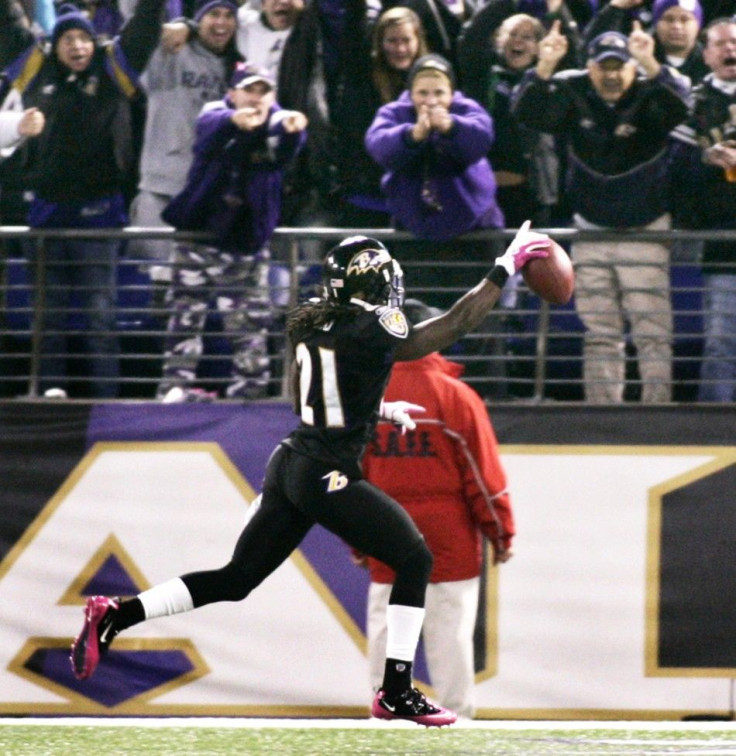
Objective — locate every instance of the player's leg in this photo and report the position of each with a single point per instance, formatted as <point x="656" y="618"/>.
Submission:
<point x="378" y="595"/>
<point x="272" y="532"/>
<point x="372" y="522"/>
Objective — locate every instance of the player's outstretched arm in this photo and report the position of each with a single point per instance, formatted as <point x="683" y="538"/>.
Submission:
<point x="470" y="310"/>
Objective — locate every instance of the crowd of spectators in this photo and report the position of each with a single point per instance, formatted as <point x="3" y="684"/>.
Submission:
<point x="568" y="112"/>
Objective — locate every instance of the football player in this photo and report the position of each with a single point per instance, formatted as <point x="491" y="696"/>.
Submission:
<point x="344" y="346"/>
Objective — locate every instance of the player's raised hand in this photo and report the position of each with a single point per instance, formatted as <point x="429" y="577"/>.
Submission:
<point x="525" y="246"/>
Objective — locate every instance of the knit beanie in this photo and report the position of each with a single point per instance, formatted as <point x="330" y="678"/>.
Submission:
<point x="431" y="62"/>
<point x="204" y="6"/>
<point x="662" y="6"/>
<point x="70" y="17"/>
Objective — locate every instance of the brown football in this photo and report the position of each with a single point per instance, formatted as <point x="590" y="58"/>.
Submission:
<point x="551" y="278"/>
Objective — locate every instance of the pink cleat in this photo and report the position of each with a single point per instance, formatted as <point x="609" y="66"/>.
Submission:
<point x="412" y="706"/>
<point x="96" y="635"/>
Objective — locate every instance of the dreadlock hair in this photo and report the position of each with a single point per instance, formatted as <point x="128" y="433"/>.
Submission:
<point x="315" y="314"/>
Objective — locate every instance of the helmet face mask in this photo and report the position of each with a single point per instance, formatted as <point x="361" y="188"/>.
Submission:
<point x="362" y="267"/>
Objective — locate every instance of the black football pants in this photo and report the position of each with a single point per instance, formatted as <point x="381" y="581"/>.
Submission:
<point x="298" y="492"/>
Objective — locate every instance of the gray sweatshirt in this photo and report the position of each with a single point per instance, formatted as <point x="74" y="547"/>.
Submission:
<point x="177" y="85"/>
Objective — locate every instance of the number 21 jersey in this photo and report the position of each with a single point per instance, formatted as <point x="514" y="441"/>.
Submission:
<point x="343" y="371"/>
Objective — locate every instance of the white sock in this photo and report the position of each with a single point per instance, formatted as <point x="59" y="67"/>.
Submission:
<point x="171" y="597"/>
<point x="403" y="626"/>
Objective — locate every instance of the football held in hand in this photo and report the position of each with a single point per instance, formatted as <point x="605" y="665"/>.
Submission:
<point x="551" y="278"/>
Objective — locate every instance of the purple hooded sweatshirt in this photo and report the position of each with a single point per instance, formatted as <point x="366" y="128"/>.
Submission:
<point x="235" y="182"/>
<point x="441" y="187"/>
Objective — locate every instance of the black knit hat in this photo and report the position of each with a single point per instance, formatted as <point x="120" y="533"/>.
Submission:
<point x="431" y="62"/>
<point x="70" y="17"/>
<point x="205" y="6"/>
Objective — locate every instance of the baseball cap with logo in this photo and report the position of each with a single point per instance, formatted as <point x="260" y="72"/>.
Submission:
<point x="609" y="45"/>
<point x="246" y="74"/>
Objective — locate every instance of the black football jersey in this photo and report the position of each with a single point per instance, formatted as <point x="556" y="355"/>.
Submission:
<point x="343" y="371"/>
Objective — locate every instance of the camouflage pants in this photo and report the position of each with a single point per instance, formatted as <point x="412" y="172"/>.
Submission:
<point x="237" y="287"/>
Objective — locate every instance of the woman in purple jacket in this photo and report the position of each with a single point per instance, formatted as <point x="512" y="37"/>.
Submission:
<point x="432" y="143"/>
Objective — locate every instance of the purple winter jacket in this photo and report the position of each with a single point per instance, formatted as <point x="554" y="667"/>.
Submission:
<point x="444" y="186"/>
<point x="234" y="185"/>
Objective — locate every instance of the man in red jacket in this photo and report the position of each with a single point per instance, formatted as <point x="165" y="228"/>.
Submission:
<point x="448" y="475"/>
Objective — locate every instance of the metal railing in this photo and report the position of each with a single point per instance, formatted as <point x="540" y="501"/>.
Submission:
<point x="525" y="351"/>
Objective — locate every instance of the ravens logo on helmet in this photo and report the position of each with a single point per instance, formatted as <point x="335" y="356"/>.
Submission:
<point x="362" y="267"/>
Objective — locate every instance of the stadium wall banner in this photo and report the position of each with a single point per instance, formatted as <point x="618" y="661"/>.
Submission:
<point x="618" y="603"/>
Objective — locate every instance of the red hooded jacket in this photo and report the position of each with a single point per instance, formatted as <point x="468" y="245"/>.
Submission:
<point x="447" y="473"/>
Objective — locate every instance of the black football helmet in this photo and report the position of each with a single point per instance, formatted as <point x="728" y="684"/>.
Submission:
<point x="362" y="267"/>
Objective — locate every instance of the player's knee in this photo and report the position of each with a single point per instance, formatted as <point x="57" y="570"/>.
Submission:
<point x="427" y="560"/>
<point x="418" y="564"/>
<point x="236" y="584"/>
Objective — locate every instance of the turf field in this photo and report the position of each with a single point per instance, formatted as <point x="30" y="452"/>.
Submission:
<point x="249" y="737"/>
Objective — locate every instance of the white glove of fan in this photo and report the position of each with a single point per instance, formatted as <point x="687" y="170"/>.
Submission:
<point x="398" y="414"/>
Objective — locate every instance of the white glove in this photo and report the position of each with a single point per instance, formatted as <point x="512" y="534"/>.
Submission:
<point x="398" y="414"/>
<point x="525" y="246"/>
